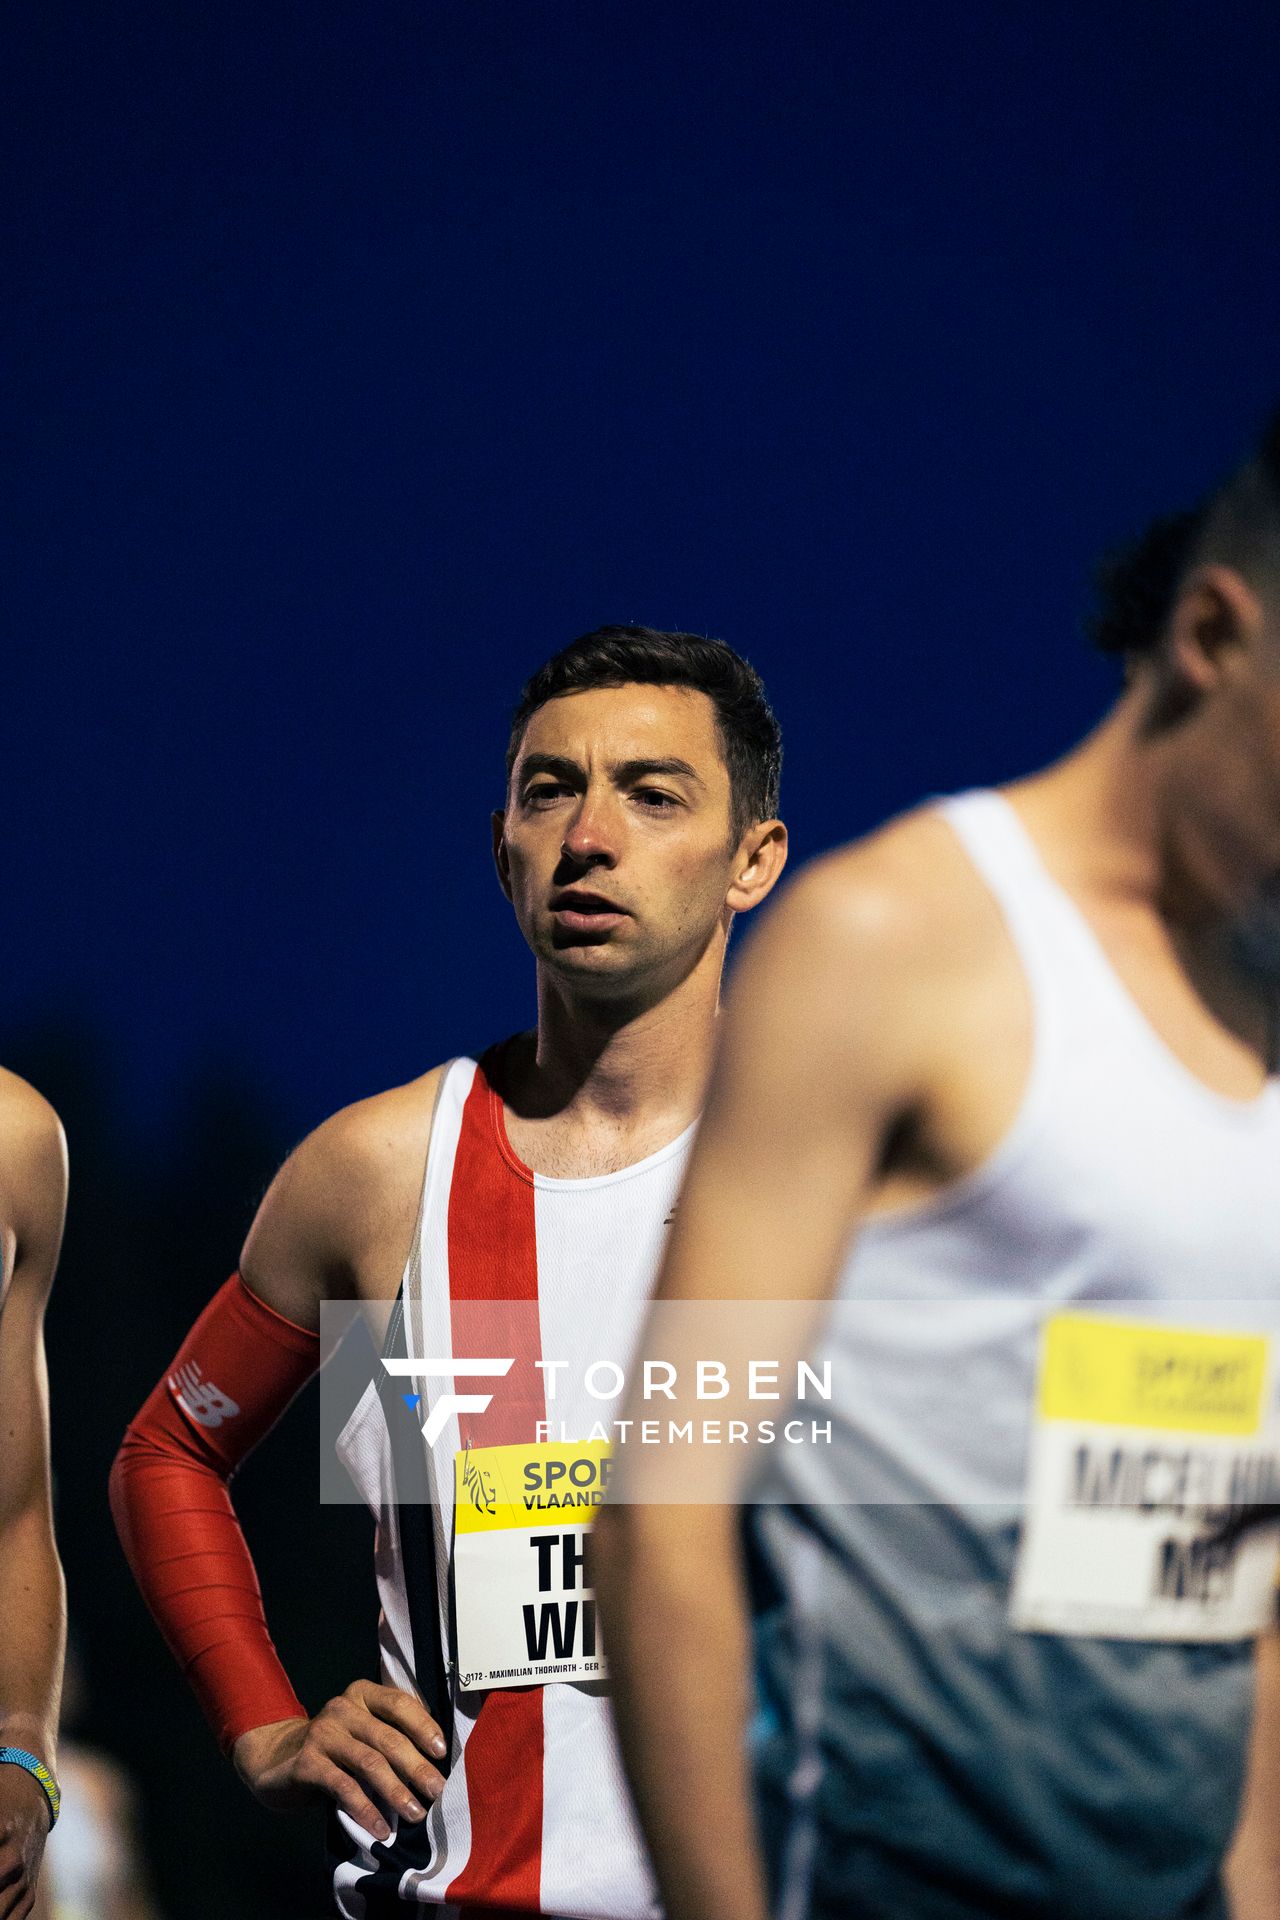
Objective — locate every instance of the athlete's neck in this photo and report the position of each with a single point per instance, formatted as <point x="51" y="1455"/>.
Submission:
<point x="602" y="1084"/>
<point x="1129" y="816"/>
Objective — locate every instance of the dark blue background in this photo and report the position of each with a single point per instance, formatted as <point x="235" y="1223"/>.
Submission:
<point x="362" y="354"/>
<point x="359" y="355"/>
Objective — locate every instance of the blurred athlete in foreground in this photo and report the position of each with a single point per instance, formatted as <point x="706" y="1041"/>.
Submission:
<point x="639" y="819"/>
<point x="33" y="1196"/>
<point x="1014" y="1040"/>
<point x="94" y="1867"/>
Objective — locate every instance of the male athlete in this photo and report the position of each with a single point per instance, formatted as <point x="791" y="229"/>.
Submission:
<point x="642" y="778"/>
<point x="33" y="1191"/>
<point x="1022" y="1041"/>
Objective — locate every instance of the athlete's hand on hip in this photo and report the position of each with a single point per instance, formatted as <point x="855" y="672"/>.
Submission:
<point x="24" y="1828"/>
<point x="366" y="1750"/>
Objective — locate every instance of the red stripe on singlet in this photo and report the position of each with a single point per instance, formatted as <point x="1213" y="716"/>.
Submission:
<point x="493" y="1256"/>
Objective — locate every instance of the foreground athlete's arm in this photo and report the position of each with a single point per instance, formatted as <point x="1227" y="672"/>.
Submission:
<point x="33" y="1188"/>
<point x="823" y="1056"/>
<point x="335" y="1224"/>
<point x="1253" y="1865"/>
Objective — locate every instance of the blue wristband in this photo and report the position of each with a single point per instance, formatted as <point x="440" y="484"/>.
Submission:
<point x="19" y="1757"/>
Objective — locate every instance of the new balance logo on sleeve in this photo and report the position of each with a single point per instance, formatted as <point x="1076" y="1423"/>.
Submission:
<point x="199" y="1399"/>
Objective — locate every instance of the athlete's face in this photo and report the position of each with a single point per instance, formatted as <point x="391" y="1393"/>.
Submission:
<point x="1227" y="646"/>
<point x="615" y="847"/>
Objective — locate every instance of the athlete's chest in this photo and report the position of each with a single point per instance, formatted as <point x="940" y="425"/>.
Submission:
<point x="566" y="1150"/>
<point x="1196" y="1004"/>
<point x="579" y="1248"/>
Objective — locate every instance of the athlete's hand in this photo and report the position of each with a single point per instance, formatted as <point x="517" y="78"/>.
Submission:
<point x="369" y="1745"/>
<point x="24" y="1828"/>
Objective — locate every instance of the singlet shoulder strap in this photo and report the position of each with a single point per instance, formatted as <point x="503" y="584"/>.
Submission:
<point x="1073" y="985"/>
<point x="1047" y="934"/>
<point x="451" y="1091"/>
<point x="998" y="845"/>
<point x="1002" y="851"/>
<point x="442" y="1146"/>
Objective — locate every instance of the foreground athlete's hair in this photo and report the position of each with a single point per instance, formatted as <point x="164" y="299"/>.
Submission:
<point x="1237" y="525"/>
<point x="617" y="656"/>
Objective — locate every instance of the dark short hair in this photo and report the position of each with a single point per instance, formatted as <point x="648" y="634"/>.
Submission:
<point x="1237" y="524"/>
<point x="750" y="740"/>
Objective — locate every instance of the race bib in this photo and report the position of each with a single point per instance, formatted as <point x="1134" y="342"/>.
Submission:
<point x="526" y="1615"/>
<point x="1145" y="1439"/>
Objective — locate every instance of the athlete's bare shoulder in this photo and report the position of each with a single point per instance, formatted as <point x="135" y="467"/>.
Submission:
<point x="905" y="897"/>
<point x="29" y="1127"/>
<point x="33" y="1175"/>
<point x="883" y="964"/>
<point x="338" y="1217"/>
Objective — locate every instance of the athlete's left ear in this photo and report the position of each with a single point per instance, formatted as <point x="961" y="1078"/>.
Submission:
<point x="1217" y="621"/>
<point x="497" y="823"/>
<point x="758" y="864"/>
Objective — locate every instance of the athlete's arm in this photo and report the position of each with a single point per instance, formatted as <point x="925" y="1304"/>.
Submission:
<point x="1253" y="1865"/>
<point x="334" y="1225"/>
<point x="33" y="1189"/>
<point x="821" y="1060"/>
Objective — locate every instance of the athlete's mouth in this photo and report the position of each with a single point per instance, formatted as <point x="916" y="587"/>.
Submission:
<point x="581" y="901"/>
<point x="579" y="911"/>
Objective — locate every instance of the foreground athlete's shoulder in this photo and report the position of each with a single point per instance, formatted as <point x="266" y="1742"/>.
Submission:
<point x="33" y="1159"/>
<point x="858" y="971"/>
<point x="903" y="896"/>
<point x="351" y="1184"/>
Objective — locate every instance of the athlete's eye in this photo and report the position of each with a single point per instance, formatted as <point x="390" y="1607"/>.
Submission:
<point x="544" y="792"/>
<point x="655" y="799"/>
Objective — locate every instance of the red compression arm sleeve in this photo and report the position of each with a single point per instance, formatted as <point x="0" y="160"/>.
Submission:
<point x="234" y="1375"/>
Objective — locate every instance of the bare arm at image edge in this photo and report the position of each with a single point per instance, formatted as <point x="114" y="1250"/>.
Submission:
<point x="1253" y="1865"/>
<point x="32" y="1595"/>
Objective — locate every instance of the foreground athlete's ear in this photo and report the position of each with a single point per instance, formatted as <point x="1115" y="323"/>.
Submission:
<point x="497" y="822"/>
<point x="1216" y="622"/>
<point x="761" y="856"/>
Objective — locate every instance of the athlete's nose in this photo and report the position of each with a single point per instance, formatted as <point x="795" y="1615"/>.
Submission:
<point x="591" y="837"/>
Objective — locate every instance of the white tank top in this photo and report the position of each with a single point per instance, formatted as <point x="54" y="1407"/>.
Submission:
<point x="1122" y="1177"/>
<point x="535" y="1816"/>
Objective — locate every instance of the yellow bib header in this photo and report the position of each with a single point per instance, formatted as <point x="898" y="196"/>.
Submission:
<point x="559" y="1483"/>
<point x="1134" y="1374"/>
